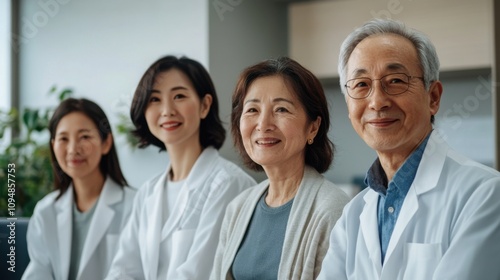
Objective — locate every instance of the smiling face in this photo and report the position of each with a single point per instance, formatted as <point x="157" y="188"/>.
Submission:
<point x="391" y="124"/>
<point x="174" y="110"/>
<point x="78" y="147"/>
<point x="274" y="126"/>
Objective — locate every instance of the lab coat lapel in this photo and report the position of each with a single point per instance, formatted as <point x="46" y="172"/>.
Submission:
<point x="154" y="204"/>
<point x="198" y="174"/>
<point x="426" y="179"/>
<point x="64" y="208"/>
<point x="431" y="165"/>
<point x="369" y="230"/>
<point x="103" y="215"/>
<point x="408" y="210"/>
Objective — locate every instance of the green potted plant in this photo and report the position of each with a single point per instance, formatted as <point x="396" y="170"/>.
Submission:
<point x="26" y="160"/>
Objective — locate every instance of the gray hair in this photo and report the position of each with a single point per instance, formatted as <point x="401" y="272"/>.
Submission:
<point x="429" y="62"/>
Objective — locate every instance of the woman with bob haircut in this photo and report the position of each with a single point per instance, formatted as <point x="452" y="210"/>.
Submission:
<point x="74" y="231"/>
<point x="279" y="229"/>
<point x="175" y="224"/>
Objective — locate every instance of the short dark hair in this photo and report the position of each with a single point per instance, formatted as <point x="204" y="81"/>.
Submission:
<point x="309" y="91"/>
<point x="109" y="165"/>
<point x="212" y="132"/>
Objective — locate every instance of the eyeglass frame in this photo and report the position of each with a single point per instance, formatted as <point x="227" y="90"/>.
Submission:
<point x="383" y="88"/>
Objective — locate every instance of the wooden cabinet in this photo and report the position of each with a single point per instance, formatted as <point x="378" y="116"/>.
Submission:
<point x="462" y="30"/>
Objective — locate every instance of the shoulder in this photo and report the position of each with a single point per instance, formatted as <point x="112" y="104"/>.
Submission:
<point x="356" y="205"/>
<point x="322" y="193"/>
<point x="247" y="198"/>
<point x="442" y="162"/>
<point x="461" y="165"/>
<point x="462" y="177"/>
<point x="148" y="187"/>
<point x="129" y="191"/>
<point x="45" y="212"/>
<point x="466" y="180"/>
<point x="228" y="168"/>
<point x="129" y="194"/>
<point x="225" y="172"/>
<point x="329" y="192"/>
<point x="47" y="202"/>
<point x="329" y="201"/>
<point x="137" y="197"/>
<point x="253" y="192"/>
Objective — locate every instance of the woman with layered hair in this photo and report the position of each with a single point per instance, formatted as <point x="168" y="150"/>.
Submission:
<point x="74" y="230"/>
<point x="279" y="229"/>
<point x="175" y="224"/>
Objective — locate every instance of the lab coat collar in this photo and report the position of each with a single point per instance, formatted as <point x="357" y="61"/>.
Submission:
<point x="156" y="231"/>
<point x="154" y="204"/>
<point x="426" y="179"/>
<point x="201" y="169"/>
<point x="369" y="229"/>
<point x="103" y="215"/>
<point x="64" y="208"/>
<point x="432" y="164"/>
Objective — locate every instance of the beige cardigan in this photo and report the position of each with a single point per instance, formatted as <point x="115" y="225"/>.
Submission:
<point x="316" y="207"/>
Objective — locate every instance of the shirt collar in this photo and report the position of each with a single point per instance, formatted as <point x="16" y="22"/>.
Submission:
<point x="376" y="178"/>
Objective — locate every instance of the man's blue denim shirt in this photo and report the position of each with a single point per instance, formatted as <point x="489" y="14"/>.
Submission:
<point x="391" y="198"/>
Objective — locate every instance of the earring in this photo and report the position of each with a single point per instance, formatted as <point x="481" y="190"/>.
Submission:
<point x="310" y="141"/>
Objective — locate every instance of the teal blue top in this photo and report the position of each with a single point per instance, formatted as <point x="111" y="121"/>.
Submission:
<point x="259" y="254"/>
<point x="81" y="225"/>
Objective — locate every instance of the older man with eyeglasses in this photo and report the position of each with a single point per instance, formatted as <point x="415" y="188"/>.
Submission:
<point x="428" y="212"/>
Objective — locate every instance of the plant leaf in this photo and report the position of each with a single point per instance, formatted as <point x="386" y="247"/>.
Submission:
<point x="65" y="93"/>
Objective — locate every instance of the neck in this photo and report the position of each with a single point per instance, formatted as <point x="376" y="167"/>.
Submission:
<point x="87" y="190"/>
<point x="283" y="185"/>
<point x="182" y="160"/>
<point x="392" y="161"/>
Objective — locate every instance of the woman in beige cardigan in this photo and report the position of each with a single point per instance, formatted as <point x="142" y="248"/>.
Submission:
<point x="279" y="229"/>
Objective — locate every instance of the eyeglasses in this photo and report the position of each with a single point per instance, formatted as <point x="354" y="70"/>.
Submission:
<point x="392" y="84"/>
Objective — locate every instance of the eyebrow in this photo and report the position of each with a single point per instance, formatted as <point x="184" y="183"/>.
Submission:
<point x="276" y="100"/>
<point x="172" y="89"/>
<point x="392" y="67"/>
<point x="79" y="131"/>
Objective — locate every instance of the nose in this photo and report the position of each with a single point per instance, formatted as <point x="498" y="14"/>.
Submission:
<point x="265" y="122"/>
<point x="168" y="108"/>
<point x="378" y="98"/>
<point x="73" y="146"/>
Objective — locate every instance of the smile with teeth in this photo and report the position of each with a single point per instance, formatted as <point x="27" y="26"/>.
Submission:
<point x="267" y="141"/>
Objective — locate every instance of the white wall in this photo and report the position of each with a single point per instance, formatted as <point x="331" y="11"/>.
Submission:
<point x="101" y="48"/>
<point x="4" y="55"/>
<point x="249" y="32"/>
<point x="465" y="116"/>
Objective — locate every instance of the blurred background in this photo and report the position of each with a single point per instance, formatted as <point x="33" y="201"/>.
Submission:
<point x="99" y="49"/>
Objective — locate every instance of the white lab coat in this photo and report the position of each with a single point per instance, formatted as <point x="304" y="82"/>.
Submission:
<point x="50" y="230"/>
<point x="213" y="182"/>
<point x="448" y="227"/>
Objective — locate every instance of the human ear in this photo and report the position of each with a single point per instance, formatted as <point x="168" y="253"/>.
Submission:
<point x="206" y="103"/>
<point x="314" y="128"/>
<point x="106" y="144"/>
<point x="435" y="92"/>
